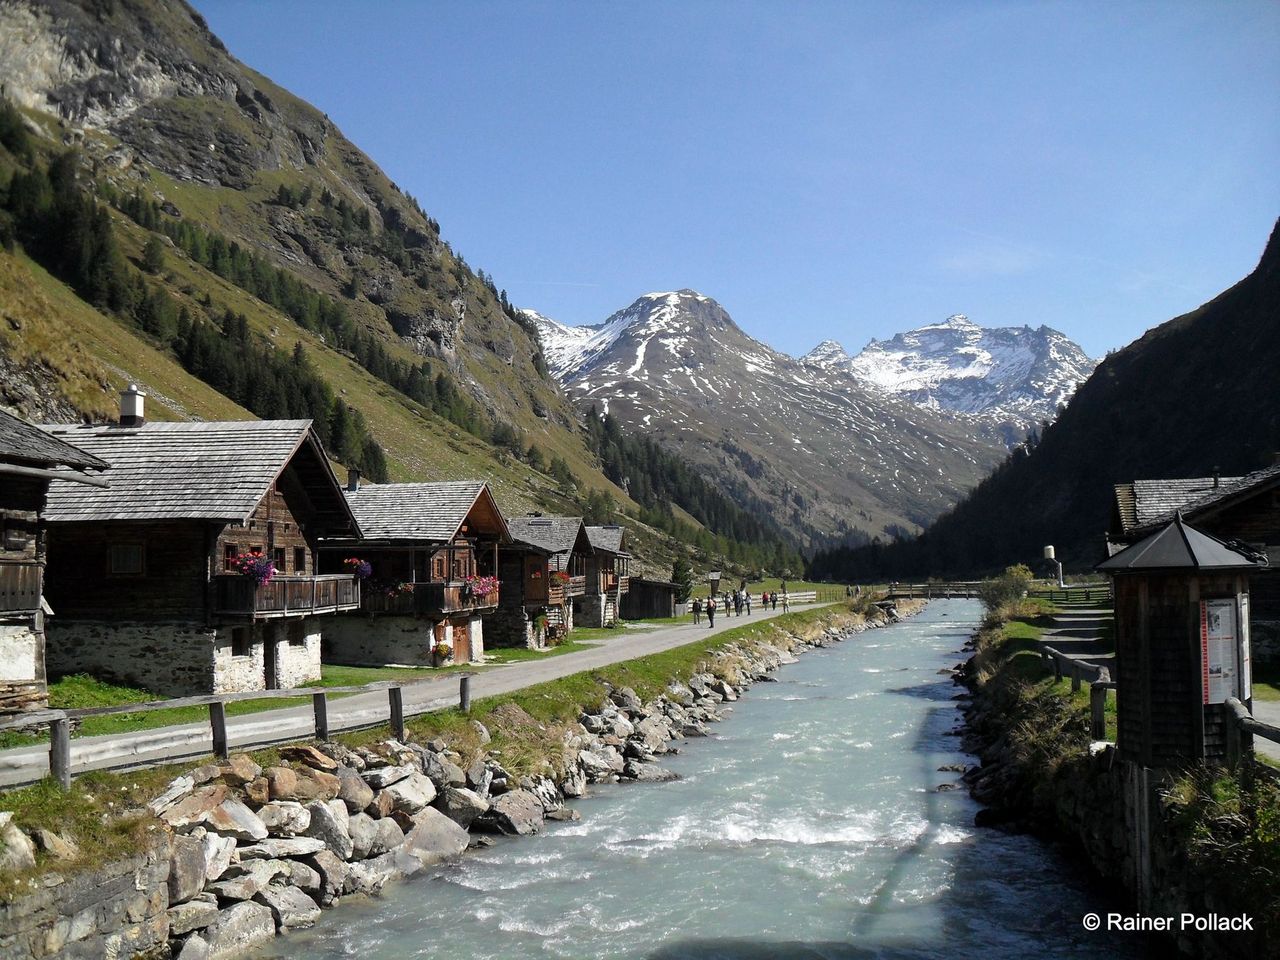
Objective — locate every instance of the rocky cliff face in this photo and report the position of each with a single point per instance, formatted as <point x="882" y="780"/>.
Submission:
<point x="833" y="458"/>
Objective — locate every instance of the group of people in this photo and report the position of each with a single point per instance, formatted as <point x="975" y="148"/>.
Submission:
<point x="733" y="604"/>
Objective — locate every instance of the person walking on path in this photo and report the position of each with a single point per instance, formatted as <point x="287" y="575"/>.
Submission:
<point x="786" y="602"/>
<point x="746" y="598"/>
<point x="711" y="613"/>
<point x="774" y="598"/>
<point x="697" y="611"/>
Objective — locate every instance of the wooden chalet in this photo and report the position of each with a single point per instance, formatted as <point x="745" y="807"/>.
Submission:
<point x="1239" y="510"/>
<point x="432" y="551"/>
<point x="646" y="599"/>
<point x="195" y="571"/>
<point x="608" y="569"/>
<point x="1143" y="504"/>
<point x="543" y="570"/>
<point x="30" y="460"/>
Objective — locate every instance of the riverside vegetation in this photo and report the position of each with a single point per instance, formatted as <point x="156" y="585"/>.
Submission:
<point x="1217" y="846"/>
<point x="234" y="851"/>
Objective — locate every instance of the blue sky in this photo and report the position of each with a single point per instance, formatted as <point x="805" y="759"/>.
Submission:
<point x="843" y="170"/>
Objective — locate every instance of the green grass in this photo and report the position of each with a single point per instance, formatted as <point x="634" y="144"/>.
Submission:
<point x="524" y="654"/>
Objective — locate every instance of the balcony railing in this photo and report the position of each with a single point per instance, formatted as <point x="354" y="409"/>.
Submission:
<point x="612" y="583"/>
<point x="427" y="598"/>
<point x="20" y="585"/>
<point x="286" y="596"/>
<point x="577" y="586"/>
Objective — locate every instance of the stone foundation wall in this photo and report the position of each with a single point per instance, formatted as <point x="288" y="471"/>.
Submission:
<point x="117" y="910"/>
<point x="298" y="654"/>
<point x="232" y="673"/>
<point x="359" y="640"/>
<point x="21" y="649"/>
<point x="170" y="659"/>
<point x="590" y="610"/>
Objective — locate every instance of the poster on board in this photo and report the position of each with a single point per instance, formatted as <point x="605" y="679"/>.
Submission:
<point x="1246" y="666"/>
<point x="1218" y="650"/>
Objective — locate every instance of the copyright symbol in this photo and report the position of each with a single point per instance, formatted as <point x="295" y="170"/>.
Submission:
<point x="1092" y="921"/>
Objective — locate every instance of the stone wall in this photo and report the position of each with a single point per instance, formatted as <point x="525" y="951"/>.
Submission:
<point x="360" y="640"/>
<point x="170" y="659"/>
<point x="297" y="653"/>
<point x="233" y="673"/>
<point x="116" y="910"/>
<point x="512" y="626"/>
<point x="21" y="649"/>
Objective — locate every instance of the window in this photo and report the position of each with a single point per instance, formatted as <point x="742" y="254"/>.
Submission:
<point x="125" y="560"/>
<point x="229" y="553"/>
<point x="241" y="641"/>
<point x="297" y="635"/>
<point x="277" y="557"/>
<point x="16" y="535"/>
<point x="299" y="559"/>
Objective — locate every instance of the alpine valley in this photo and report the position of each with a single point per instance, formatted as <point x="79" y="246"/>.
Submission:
<point x="838" y="447"/>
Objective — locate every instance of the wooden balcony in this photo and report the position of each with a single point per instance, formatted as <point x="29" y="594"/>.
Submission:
<point x="237" y="595"/>
<point x="430" y="598"/>
<point x="577" y="586"/>
<point x="612" y="583"/>
<point x="20" y="583"/>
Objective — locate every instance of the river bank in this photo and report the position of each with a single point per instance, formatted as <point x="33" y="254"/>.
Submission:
<point x="1040" y="773"/>
<point x="258" y="845"/>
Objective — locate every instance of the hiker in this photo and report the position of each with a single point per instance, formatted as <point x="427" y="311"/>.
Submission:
<point x="786" y="602"/>
<point x="697" y="611"/>
<point x="774" y="597"/>
<point x="848" y="592"/>
<point x="746" y="598"/>
<point x="737" y="603"/>
<point x="711" y="612"/>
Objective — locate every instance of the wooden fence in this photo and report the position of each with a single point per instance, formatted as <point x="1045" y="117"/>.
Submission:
<point x="1241" y="722"/>
<point x="1098" y="678"/>
<point x="59" y="721"/>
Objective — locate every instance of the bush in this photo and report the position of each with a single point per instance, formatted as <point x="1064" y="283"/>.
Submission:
<point x="1008" y="588"/>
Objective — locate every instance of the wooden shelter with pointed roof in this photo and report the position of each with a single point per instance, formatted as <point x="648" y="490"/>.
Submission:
<point x="543" y="569"/>
<point x="608" y="570"/>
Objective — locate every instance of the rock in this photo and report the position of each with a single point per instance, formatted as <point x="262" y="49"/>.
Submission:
<point x="176" y="790"/>
<point x="191" y="810"/>
<point x="627" y="700"/>
<point x="693" y="730"/>
<point x="516" y="813"/>
<point x="565" y="814"/>
<point x="245" y="880"/>
<point x="274" y="848"/>
<point x="481" y="731"/>
<point x="231" y="818"/>
<point x="309" y="756"/>
<point x="284" y="818"/>
<point x="306" y="878"/>
<point x="381" y="805"/>
<point x="239" y="770"/>
<point x="574" y="783"/>
<point x="331" y="826"/>
<point x="205" y="773"/>
<point x="192" y="915"/>
<point x="479" y="777"/>
<point x="461" y="806"/>
<point x="370" y="876"/>
<point x="17" y="852"/>
<point x="186" y="868"/>
<point x="352" y="789"/>
<point x="238" y="928"/>
<point x="387" y="837"/>
<point x="55" y="845"/>
<point x="945" y="787"/>
<point x="282" y="783"/>
<point x="385" y="776"/>
<point x="316" y="785"/>
<point x="437" y="745"/>
<point x="362" y="828"/>
<point x="412" y="793"/>
<point x="257" y="791"/>
<point x="195" y="947"/>
<point x="290" y="907"/>
<point x="218" y="851"/>
<point x="434" y="838"/>
<point x="593" y="723"/>
<point x="443" y="772"/>
<point x="680" y="694"/>
<point x="648" y="773"/>
<point x="341" y="754"/>
<point x="620" y="726"/>
<point x="653" y="734"/>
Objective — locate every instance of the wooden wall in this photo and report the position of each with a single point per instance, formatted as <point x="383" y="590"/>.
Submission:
<point x="21" y="501"/>
<point x="273" y="527"/>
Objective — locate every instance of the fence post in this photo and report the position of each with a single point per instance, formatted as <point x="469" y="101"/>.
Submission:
<point x="464" y="693"/>
<point x="320" y="704"/>
<point x="395" y="696"/>
<point x="1097" y="712"/>
<point x="60" y="751"/>
<point x="1057" y="669"/>
<point x="218" y="726"/>
<point x="1075" y="678"/>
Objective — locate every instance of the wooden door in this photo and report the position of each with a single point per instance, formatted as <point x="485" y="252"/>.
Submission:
<point x="461" y="643"/>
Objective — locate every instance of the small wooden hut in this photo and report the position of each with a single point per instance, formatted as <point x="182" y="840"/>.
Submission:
<point x="608" y="576"/>
<point x="543" y="570"/>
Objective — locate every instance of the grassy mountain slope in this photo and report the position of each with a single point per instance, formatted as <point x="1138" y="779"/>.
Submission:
<point x="1194" y="394"/>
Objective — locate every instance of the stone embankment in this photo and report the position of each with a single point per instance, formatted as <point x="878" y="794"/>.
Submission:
<point x="244" y="853"/>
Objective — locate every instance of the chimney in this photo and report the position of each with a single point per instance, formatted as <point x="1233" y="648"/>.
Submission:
<point x="353" y="479"/>
<point x="132" y="402"/>
<point x="1217" y="477"/>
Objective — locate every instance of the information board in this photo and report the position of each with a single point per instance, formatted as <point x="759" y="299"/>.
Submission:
<point x="1219" y="663"/>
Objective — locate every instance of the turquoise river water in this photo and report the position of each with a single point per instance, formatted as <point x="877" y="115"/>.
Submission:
<point x="809" y="826"/>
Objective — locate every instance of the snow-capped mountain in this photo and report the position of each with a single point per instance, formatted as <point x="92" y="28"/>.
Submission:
<point x="825" y="453"/>
<point x="1015" y="374"/>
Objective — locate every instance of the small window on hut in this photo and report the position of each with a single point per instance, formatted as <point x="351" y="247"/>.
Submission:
<point x="241" y="641"/>
<point x="125" y="560"/>
<point x="229" y="553"/>
<point x="277" y="557"/>
<point x="299" y="559"/>
<point x="15" y="536"/>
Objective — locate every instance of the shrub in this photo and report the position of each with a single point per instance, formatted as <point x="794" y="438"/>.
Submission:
<point x="1008" y="588"/>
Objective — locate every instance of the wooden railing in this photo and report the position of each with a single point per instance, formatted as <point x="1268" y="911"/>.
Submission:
<point x="577" y="586"/>
<point x="20" y="585"/>
<point x="1098" y="678"/>
<point x="427" y="598"/>
<point x="1240" y="723"/>
<point x="286" y="596"/>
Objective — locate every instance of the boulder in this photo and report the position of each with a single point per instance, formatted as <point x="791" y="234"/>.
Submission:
<point x="370" y="876"/>
<point x="330" y="822"/>
<point x="437" y="745"/>
<point x="243" y="881"/>
<point x="564" y="814"/>
<point x="381" y="805"/>
<point x="460" y="805"/>
<point x="434" y="838"/>
<point x="627" y="700"/>
<point x="362" y="828"/>
<point x="176" y="790"/>
<point x="218" y="852"/>
<point x="648" y="773"/>
<point x="443" y="772"/>
<point x="55" y="845"/>
<point x="305" y="878"/>
<point x="352" y="790"/>
<point x="289" y="906"/>
<point x="653" y="734"/>
<point x="385" y="776"/>
<point x="309" y="756"/>
<point x="195" y="947"/>
<point x="479" y="777"/>
<point x="681" y="694"/>
<point x="515" y="813"/>
<point x="620" y="726"/>
<point x="387" y="837"/>
<point x="274" y="848"/>
<point x="284" y="818"/>
<point x="482" y="732"/>
<point x="239" y="770"/>
<point x="186" y="868"/>
<point x="231" y="818"/>
<point x="192" y="915"/>
<point x="282" y="783"/>
<point x="723" y="689"/>
<point x="315" y="785"/>
<point x="17" y="852"/>
<point x="191" y="810"/>
<point x="333" y="875"/>
<point x="574" y="783"/>
<point x="238" y="928"/>
<point x="343" y="755"/>
<point x="257" y="791"/>
<point x="412" y="793"/>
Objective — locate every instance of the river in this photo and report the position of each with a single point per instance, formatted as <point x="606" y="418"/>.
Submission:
<point x="809" y="826"/>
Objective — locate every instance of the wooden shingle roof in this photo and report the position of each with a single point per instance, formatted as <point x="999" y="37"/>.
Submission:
<point x="192" y="471"/>
<point x="425" y="512"/>
<point x="1143" y="503"/>
<point x="552" y="534"/>
<point x="25" y="443"/>
<point x="608" y="539"/>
